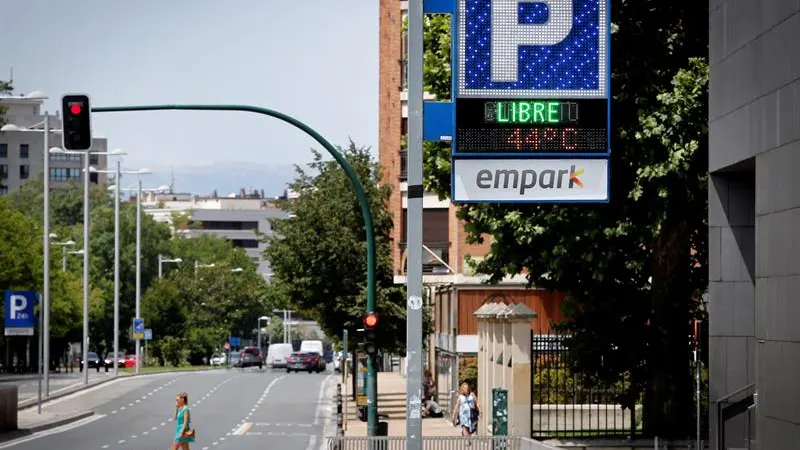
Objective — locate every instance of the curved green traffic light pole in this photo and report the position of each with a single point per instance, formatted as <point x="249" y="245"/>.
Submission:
<point x="372" y="376"/>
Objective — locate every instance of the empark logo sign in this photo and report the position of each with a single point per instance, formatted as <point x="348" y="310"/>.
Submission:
<point x="527" y="180"/>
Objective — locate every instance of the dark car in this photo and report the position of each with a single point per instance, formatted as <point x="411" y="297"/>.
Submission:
<point x="94" y="361"/>
<point x="303" y="361"/>
<point x="252" y="356"/>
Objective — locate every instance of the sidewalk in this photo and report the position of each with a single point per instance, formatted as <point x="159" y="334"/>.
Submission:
<point x="393" y="385"/>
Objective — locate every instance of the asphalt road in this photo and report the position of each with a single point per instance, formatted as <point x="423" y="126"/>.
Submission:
<point x="231" y="409"/>
<point x="28" y="387"/>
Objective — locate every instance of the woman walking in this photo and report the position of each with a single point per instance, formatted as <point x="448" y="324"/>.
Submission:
<point x="467" y="411"/>
<point x="184" y="434"/>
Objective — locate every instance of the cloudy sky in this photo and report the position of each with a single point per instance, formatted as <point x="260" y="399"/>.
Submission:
<point x="316" y="60"/>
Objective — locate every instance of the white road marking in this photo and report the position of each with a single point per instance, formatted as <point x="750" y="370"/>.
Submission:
<point x="321" y="398"/>
<point x="242" y="429"/>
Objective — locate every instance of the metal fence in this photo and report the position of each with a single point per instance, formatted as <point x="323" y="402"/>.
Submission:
<point x="446" y="378"/>
<point x="563" y="406"/>
<point x="436" y="443"/>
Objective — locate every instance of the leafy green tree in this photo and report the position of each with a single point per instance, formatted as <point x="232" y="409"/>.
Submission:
<point x="5" y="88"/>
<point x="633" y="268"/>
<point x="20" y="250"/>
<point x="66" y="202"/>
<point x="318" y="255"/>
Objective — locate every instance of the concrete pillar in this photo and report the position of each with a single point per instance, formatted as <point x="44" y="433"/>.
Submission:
<point x="484" y="355"/>
<point x="519" y="317"/>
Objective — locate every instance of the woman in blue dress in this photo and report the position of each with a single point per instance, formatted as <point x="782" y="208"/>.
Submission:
<point x="183" y="423"/>
<point x="467" y="411"/>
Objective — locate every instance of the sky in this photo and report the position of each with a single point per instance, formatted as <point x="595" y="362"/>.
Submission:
<point x="315" y="60"/>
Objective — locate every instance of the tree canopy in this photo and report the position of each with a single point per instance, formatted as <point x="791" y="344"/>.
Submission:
<point x="635" y="268"/>
<point x="318" y="255"/>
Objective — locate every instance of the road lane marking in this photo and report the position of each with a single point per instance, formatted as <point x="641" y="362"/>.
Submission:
<point x="243" y="429"/>
<point x="320" y="398"/>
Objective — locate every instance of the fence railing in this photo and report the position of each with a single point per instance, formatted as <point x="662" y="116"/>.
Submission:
<point x="563" y="406"/>
<point x="436" y="443"/>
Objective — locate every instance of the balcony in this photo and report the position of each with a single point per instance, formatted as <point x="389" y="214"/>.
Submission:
<point x="403" y="165"/>
<point x="431" y="260"/>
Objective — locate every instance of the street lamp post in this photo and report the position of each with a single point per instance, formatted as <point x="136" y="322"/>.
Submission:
<point x="117" y="179"/>
<point x="63" y="246"/>
<point x="162" y="260"/>
<point x="197" y="265"/>
<point x="139" y="260"/>
<point x="86" y="172"/>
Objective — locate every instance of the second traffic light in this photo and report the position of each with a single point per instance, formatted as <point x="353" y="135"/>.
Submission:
<point x="370" y="331"/>
<point x="77" y="127"/>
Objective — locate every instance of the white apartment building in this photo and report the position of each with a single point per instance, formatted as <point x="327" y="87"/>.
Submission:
<point x="22" y="146"/>
<point x="238" y="219"/>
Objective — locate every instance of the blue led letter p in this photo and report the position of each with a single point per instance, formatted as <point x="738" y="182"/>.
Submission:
<point x="508" y="34"/>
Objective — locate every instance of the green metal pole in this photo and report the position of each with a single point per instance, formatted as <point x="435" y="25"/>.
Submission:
<point x="372" y="375"/>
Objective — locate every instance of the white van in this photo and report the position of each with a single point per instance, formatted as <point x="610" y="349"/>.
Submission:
<point x="278" y="354"/>
<point x="315" y="347"/>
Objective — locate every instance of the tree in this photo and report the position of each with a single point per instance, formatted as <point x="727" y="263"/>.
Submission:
<point x="318" y="255"/>
<point x="5" y="88"/>
<point x="20" y="250"/>
<point x="654" y="229"/>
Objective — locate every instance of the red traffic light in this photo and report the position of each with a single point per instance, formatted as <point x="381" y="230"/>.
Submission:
<point x="75" y="109"/>
<point x="370" y="320"/>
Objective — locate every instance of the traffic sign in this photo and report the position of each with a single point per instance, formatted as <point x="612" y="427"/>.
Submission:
<point x="531" y="82"/>
<point x="20" y="319"/>
<point x="138" y="328"/>
<point x="148" y="334"/>
<point x="235" y="341"/>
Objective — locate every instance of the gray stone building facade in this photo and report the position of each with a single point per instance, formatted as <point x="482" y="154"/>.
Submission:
<point x="754" y="224"/>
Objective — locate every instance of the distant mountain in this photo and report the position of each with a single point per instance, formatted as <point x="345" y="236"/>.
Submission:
<point x="225" y="177"/>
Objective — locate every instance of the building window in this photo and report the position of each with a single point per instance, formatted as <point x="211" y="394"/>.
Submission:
<point x="3" y="171"/>
<point x="404" y="126"/>
<point x="3" y="190"/>
<point x="63" y="174"/>
<point x="3" y="150"/>
<point x="24" y="172"/>
<point x="93" y="159"/>
<point x="23" y="151"/>
<point x="403" y="165"/>
<point x="65" y="157"/>
<point x="93" y="177"/>
<point x="245" y="243"/>
<point x="229" y="225"/>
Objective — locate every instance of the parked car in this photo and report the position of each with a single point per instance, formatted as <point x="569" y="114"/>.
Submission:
<point x="130" y="361"/>
<point x="217" y="359"/>
<point x="303" y="361"/>
<point x="93" y="360"/>
<point x="109" y="361"/>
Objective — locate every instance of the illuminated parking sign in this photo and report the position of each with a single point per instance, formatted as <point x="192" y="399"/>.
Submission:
<point x="532" y="81"/>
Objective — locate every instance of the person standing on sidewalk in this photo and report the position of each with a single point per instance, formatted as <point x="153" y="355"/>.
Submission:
<point x="467" y="411"/>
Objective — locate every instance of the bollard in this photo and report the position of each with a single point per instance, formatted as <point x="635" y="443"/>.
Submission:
<point x="339" y="415"/>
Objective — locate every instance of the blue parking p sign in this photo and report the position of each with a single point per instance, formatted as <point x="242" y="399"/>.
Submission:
<point x="20" y="319"/>
<point x="533" y="48"/>
<point x="138" y="328"/>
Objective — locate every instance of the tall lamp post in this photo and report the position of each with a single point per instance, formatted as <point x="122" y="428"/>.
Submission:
<point x="197" y="265"/>
<point x="86" y="172"/>
<point x="139" y="191"/>
<point x="63" y="246"/>
<point x="117" y="179"/>
<point x="162" y="260"/>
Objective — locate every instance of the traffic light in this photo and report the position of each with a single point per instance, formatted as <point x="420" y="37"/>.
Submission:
<point x="77" y="133"/>
<point x="370" y="331"/>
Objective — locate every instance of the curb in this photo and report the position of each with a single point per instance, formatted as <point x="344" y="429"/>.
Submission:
<point x="59" y="422"/>
<point x="33" y="402"/>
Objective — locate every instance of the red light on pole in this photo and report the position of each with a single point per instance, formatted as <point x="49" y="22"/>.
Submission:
<point x="75" y="109"/>
<point x="370" y="320"/>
